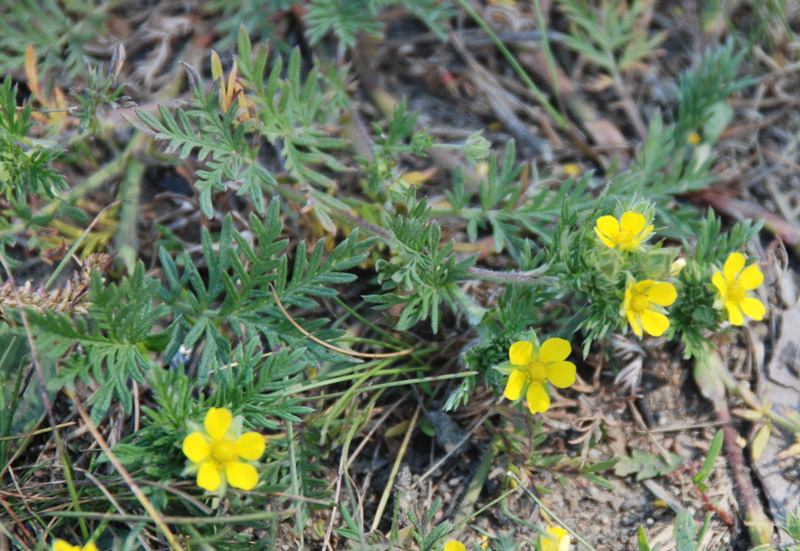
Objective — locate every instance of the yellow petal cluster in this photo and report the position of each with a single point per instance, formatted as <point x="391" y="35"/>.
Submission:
<point x="454" y="545"/>
<point x="557" y="539"/>
<point x="61" y="545"/>
<point x="627" y="233"/>
<point x="535" y="368"/>
<point x="217" y="454"/>
<point x="733" y="284"/>
<point x="642" y="304"/>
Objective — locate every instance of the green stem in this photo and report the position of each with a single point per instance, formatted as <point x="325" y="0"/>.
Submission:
<point x="531" y="277"/>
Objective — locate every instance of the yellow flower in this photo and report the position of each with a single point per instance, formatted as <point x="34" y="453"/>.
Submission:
<point x="732" y="285"/>
<point x="536" y="367"/>
<point x="484" y="541"/>
<point x="693" y="138"/>
<point x="216" y="453"/>
<point x="627" y="233"/>
<point x="641" y="306"/>
<point x="557" y="539"/>
<point x="61" y="545"/>
<point x="454" y="545"/>
<point x="571" y="169"/>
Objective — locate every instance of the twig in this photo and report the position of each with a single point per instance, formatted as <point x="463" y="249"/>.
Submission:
<point x="642" y="425"/>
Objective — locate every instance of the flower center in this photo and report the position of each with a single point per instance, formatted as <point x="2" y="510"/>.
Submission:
<point x="223" y="450"/>
<point x="624" y="237"/>
<point x="639" y="303"/>
<point x="537" y="373"/>
<point x="735" y="291"/>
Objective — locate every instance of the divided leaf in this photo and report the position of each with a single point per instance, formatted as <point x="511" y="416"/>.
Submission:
<point x="646" y="465"/>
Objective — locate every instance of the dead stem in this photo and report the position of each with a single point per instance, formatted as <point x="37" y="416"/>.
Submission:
<point x="629" y="105"/>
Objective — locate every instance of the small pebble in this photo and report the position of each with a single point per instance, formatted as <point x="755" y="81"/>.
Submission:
<point x="650" y="521"/>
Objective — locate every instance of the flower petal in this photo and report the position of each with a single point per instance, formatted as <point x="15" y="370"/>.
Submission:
<point x="520" y="353"/>
<point x="632" y="222"/>
<point x="454" y="545"/>
<point x="753" y="308"/>
<point x="719" y="282"/>
<point x="538" y="400"/>
<point x="61" y="545"/>
<point x="734" y="313"/>
<point x="642" y="286"/>
<point x="607" y="225"/>
<point x="195" y="447"/>
<point x="561" y="374"/>
<point x="733" y="265"/>
<point x="606" y="241"/>
<point x="208" y="476"/>
<point x="554" y="350"/>
<point x="654" y="323"/>
<point x="557" y="539"/>
<point x="635" y="323"/>
<point x="514" y="385"/>
<point x="662" y="293"/>
<point x="607" y="229"/>
<point x="751" y="277"/>
<point x="241" y="475"/>
<point x="217" y="422"/>
<point x="250" y="446"/>
<point x="89" y="547"/>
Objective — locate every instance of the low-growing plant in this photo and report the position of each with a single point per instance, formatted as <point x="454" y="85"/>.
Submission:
<point x="249" y="388"/>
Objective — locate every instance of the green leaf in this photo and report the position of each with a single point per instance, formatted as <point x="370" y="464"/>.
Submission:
<point x="641" y="539"/>
<point x="599" y="481"/>
<point x="708" y="465"/>
<point x="646" y="465"/>
<point x="760" y="442"/>
<point x="684" y="532"/>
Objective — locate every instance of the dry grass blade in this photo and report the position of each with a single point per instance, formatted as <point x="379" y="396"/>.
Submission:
<point x="332" y="346"/>
<point x="143" y="500"/>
